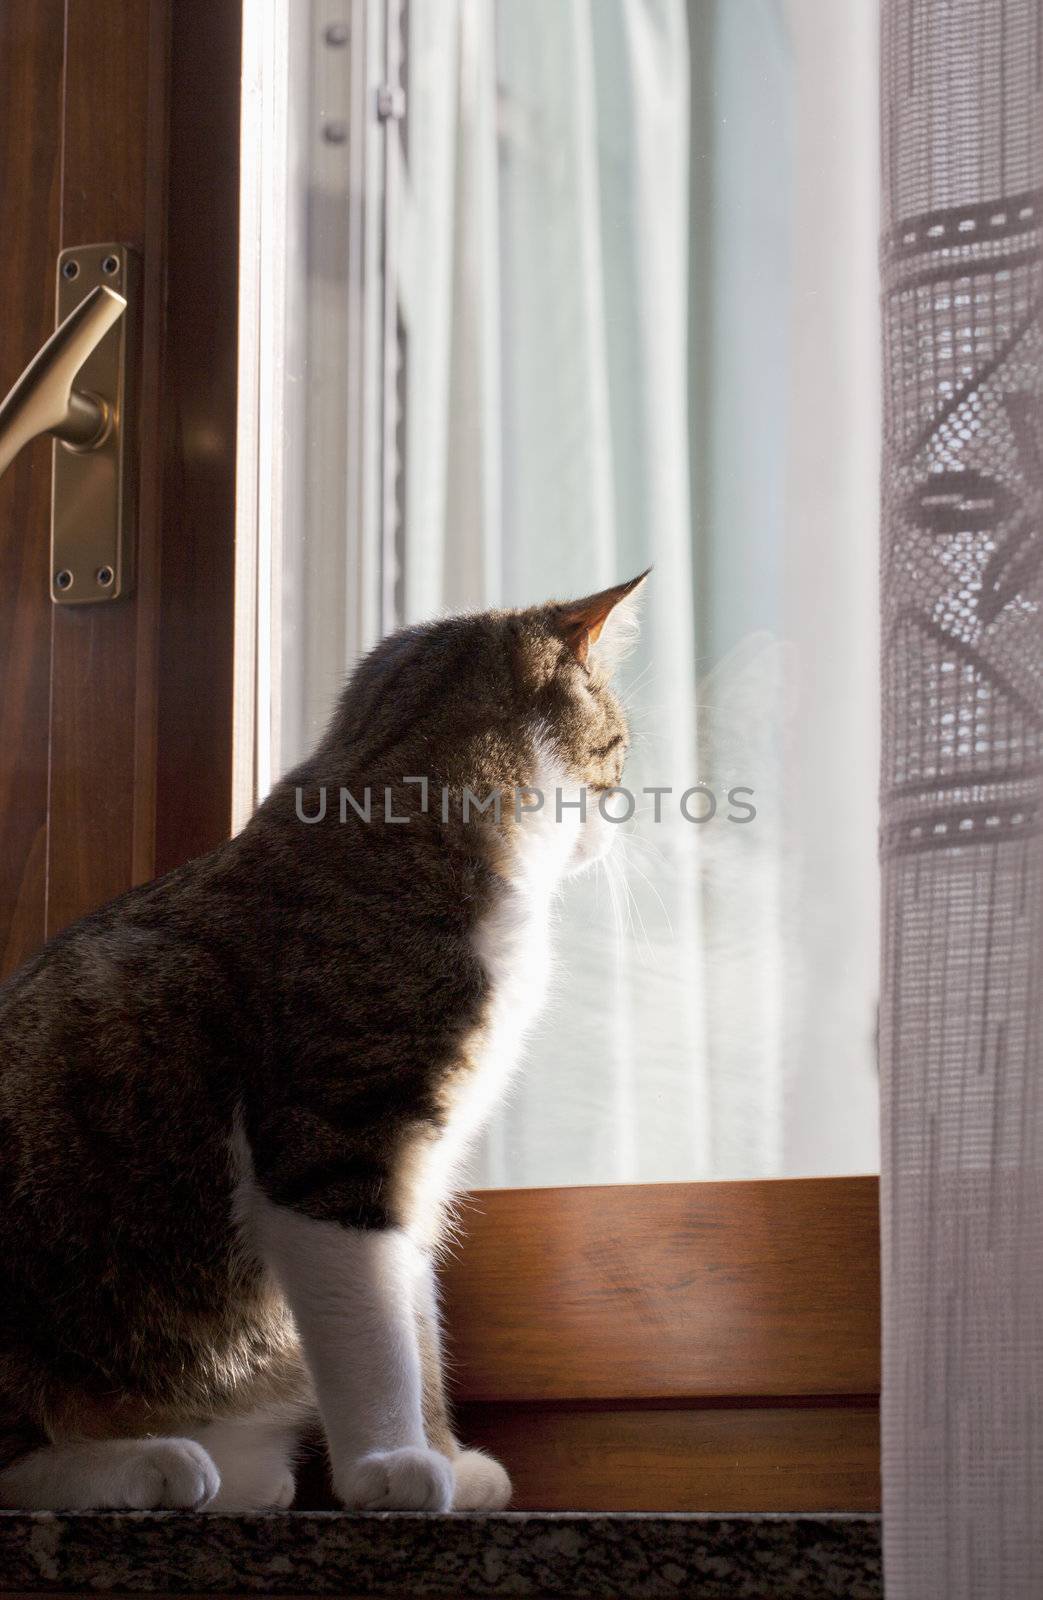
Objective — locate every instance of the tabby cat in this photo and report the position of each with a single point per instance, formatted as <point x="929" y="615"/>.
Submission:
<point x="234" y="1102"/>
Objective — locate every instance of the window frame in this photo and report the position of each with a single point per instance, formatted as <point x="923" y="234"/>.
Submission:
<point x="775" y="1408"/>
<point x="702" y="1346"/>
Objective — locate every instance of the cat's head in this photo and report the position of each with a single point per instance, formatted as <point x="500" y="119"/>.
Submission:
<point x="567" y="656"/>
<point x="497" y="700"/>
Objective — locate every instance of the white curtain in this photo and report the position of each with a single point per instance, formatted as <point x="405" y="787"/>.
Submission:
<point x="631" y="246"/>
<point x="555" y="234"/>
<point x="544" y="297"/>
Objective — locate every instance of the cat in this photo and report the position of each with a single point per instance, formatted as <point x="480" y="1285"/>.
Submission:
<point x="234" y="1103"/>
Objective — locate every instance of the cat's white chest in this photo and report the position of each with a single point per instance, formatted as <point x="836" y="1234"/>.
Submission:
<point x="512" y="942"/>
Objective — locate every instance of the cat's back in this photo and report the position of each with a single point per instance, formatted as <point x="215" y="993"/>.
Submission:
<point x="118" y="1083"/>
<point x="117" y="1073"/>
<point x="123" y="984"/>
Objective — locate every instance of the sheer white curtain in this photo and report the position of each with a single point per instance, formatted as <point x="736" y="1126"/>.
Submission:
<point x="557" y="232"/>
<point x="618" y="308"/>
<point x="544" y="298"/>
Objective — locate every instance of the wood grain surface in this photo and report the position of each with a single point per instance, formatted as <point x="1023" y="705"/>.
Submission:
<point x="142" y="690"/>
<point x="667" y="1291"/>
<point x="31" y="57"/>
<point x="102" y="723"/>
<point x="121" y="123"/>
<point x="196" y="624"/>
<point x="707" y="1458"/>
<point x="672" y="1347"/>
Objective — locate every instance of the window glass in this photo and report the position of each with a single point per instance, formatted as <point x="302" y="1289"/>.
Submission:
<point x="549" y="290"/>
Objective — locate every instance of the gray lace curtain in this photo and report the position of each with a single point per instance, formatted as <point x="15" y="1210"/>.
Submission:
<point x="962" y="700"/>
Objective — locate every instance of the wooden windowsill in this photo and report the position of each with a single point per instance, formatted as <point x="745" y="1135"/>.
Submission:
<point x="673" y="1347"/>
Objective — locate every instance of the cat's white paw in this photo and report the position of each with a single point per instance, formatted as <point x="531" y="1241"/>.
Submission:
<point x="397" y="1480"/>
<point x="169" y="1473"/>
<point x="480" y="1483"/>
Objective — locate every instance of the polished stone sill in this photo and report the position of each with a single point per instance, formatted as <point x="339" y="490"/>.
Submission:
<point x="581" y="1555"/>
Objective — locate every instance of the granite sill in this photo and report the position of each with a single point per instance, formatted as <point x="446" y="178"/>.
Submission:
<point x="579" y="1555"/>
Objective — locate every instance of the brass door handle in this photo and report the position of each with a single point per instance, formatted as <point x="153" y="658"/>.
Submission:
<point x="44" y="400"/>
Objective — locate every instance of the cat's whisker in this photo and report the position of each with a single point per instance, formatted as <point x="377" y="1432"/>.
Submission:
<point x="614" y="878"/>
<point x="632" y="687"/>
<point x="659" y="857"/>
<point x="641" y="935"/>
<point x="662" y="903"/>
<point x="639" y="930"/>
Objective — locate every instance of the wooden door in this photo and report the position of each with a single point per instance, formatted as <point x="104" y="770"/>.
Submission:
<point x="120" y="122"/>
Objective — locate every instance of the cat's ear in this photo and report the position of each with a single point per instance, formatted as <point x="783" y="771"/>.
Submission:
<point x="580" y="622"/>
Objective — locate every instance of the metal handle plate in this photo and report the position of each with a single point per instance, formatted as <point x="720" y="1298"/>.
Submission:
<point x="92" y="503"/>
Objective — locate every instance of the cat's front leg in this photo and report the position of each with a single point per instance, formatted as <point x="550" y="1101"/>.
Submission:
<point x="479" y="1482"/>
<point x="352" y="1294"/>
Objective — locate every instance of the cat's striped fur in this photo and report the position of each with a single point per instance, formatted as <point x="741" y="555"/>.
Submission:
<point x="234" y="1102"/>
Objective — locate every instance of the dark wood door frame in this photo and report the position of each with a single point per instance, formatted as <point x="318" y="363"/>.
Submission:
<point x="121" y="121"/>
<point x="31" y="53"/>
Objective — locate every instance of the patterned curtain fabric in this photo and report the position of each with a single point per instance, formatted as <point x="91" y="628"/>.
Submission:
<point x="962" y="699"/>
